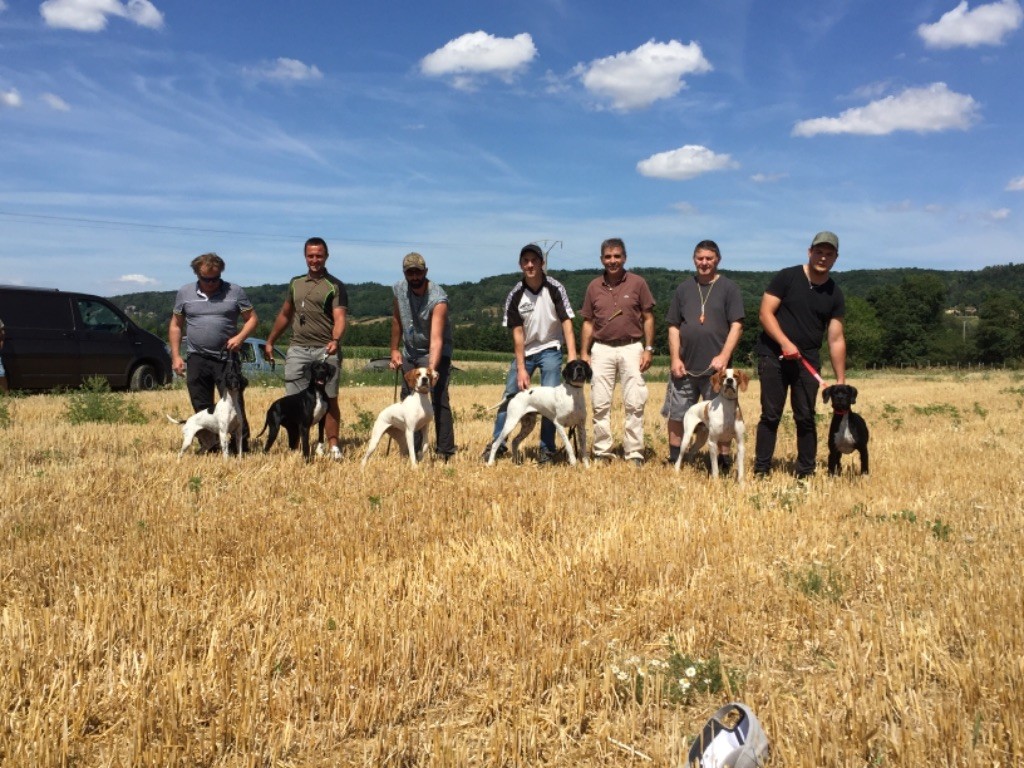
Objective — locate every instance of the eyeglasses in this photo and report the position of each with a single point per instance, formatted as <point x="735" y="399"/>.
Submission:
<point x="213" y="279"/>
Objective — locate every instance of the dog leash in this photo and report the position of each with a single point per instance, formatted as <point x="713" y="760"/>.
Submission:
<point x="808" y="366"/>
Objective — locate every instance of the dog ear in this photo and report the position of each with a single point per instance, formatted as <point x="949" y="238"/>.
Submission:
<point x="826" y="394"/>
<point x="853" y="395"/>
<point x="744" y="380"/>
<point x="716" y="381"/>
<point x="410" y="378"/>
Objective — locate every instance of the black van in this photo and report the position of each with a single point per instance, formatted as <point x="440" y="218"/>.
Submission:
<point x="60" y="339"/>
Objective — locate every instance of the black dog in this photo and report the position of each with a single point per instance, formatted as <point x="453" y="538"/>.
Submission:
<point x="848" y="432"/>
<point x="299" y="412"/>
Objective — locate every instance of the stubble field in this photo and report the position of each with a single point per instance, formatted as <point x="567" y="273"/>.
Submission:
<point x="264" y="612"/>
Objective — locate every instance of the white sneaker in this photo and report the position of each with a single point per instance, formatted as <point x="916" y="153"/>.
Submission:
<point x="335" y="453"/>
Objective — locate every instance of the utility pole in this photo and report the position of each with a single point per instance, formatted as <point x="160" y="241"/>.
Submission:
<point x="548" y="248"/>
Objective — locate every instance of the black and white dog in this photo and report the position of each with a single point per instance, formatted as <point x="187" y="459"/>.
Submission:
<point x="848" y="431"/>
<point x="219" y="423"/>
<point x="403" y="420"/>
<point x="298" y="412"/>
<point x="564" y="405"/>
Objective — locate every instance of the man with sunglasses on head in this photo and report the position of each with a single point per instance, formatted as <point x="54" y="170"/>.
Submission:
<point x="421" y="337"/>
<point x="207" y="312"/>
<point x="316" y="308"/>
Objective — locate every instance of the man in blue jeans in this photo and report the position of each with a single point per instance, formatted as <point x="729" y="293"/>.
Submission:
<point x="540" y="316"/>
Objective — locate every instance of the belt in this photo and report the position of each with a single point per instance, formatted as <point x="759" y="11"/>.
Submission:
<point x="618" y="342"/>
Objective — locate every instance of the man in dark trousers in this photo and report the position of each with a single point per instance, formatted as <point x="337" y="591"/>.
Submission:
<point x="800" y="308"/>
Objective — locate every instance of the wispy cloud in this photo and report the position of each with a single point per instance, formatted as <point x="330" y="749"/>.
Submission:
<point x="477" y="54"/>
<point x="924" y="110"/>
<point x="285" y="70"/>
<point x="985" y="25"/>
<point x="54" y="101"/>
<point x="999" y="214"/>
<point x="137" y="280"/>
<point x="1015" y="185"/>
<point x="767" y="178"/>
<point x="3" y="6"/>
<point x="636" y="79"/>
<point x="10" y="98"/>
<point x="684" y="163"/>
<point x="91" y="15"/>
<point x="686" y="209"/>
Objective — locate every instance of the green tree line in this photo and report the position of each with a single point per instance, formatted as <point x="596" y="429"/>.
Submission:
<point x="894" y="316"/>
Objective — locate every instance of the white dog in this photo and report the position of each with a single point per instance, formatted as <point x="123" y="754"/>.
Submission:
<point x="403" y="420"/>
<point x="718" y="421"/>
<point x="564" y="405"/>
<point x="222" y="422"/>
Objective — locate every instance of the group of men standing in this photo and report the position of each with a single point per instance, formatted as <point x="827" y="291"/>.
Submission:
<point x="801" y="306"/>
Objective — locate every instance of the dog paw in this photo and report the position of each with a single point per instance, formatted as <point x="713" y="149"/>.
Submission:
<point x="319" y="449"/>
<point x="335" y="453"/>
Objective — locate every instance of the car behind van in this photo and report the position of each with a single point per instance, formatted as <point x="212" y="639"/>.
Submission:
<point x="60" y="339"/>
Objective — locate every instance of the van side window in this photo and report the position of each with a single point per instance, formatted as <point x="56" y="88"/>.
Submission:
<point x="247" y="353"/>
<point x="43" y="310"/>
<point x="99" y="317"/>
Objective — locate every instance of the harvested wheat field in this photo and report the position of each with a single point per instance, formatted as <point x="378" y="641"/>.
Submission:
<point x="264" y="612"/>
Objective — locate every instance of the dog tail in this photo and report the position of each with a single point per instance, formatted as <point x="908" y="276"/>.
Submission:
<point x="503" y="405"/>
<point x="174" y="420"/>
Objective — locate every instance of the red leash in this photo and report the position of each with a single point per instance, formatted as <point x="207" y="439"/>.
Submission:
<point x="808" y="366"/>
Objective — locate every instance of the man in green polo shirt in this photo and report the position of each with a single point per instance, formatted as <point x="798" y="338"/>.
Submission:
<point x="315" y="307"/>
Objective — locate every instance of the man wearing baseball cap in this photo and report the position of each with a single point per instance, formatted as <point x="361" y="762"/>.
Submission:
<point x="800" y="308"/>
<point x="539" y="313"/>
<point x="421" y="336"/>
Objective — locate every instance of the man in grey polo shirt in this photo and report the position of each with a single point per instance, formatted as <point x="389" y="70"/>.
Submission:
<point x="208" y="311"/>
<point x="316" y="308"/>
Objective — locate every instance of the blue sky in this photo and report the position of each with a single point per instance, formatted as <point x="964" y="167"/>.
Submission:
<point x="137" y="134"/>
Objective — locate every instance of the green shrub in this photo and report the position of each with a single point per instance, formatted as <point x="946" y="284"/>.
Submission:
<point x="95" y="403"/>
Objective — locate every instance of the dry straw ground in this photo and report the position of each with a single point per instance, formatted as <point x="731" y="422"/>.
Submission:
<point x="266" y="613"/>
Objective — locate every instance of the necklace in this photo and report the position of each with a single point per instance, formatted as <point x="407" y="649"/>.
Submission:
<point x="703" y="298"/>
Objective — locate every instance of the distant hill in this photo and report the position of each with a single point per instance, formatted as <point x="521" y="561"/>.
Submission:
<point x="481" y="301"/>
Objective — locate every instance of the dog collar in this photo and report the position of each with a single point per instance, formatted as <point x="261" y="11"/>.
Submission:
<point x="840" y="413"/>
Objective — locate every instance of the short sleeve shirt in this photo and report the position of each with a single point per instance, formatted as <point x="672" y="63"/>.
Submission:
<point x="702" y="338"/>
<point x="804" y="312"/>
<point x="315" y="301"/>
<point x="540" y="314"/>
<point x="210" y="319"/>
<point x="616" y="311"/>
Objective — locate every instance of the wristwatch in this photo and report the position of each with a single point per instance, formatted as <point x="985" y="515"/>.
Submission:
<point x="648" y="348"/>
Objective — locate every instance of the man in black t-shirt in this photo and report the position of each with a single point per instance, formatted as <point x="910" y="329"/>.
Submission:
<point x="800" y="308"/>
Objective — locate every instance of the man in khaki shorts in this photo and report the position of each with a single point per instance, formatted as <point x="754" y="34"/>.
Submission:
<point x="316" y="308"/>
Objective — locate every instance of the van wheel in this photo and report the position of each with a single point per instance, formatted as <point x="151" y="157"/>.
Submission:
<point x="144" y="379"/>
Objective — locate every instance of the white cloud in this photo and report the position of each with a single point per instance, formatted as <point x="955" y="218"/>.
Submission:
<point x="286" y="70"/>
<point x="10" y="98"/>
<point x="91" y="15"/>
<point x="1000" y="214"/>
<point x="985" y="25"/>
<point x="1015" y="185"/>
<point x="767" y="178"/>
<point x="137" y="280"/>
<point x="686" y="209"/>
<point x="933" y="108"/>
<point x="684" y="163"/>
<point x="55" y="102"/>
<point x="479" y="53"/>
<point x="638" y="78"/>
<point x="3" y="6"/>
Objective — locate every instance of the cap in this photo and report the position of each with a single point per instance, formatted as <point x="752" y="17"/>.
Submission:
<point x="531" y="248"/>
<point x="831" y="238"/>
<point x="413" y="261"/>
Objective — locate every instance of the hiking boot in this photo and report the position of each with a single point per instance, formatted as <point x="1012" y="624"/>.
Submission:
<point x="544" y="456"/>
<point x="335" y="453"/>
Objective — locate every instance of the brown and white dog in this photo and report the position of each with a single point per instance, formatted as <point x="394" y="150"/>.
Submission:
<point x="718" y="421"/>
<point x="403" y="420"/>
